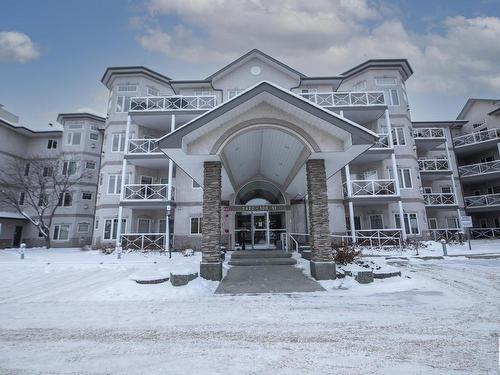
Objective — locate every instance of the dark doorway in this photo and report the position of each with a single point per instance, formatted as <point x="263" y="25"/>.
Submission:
<point x="18" y="235"/>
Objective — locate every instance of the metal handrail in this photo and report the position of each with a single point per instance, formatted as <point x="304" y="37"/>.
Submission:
<point x="146" y="192"/>
<point x="143" y="146"/>
<point x="479" y="168"/>
<point x="346" y="99"/>
<point x="172" y="102"/>
<point x="482" y="200"/>
<point x="477" y="137"/>
<point x="439" y="199"/>
<point x="371" y="188"/>
<point x="428" y="133"/>
<point x="433" y="165"/>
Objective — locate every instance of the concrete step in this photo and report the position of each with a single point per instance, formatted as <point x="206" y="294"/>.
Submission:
<point x="262" y="262"/>
<point x="252" y="254"/>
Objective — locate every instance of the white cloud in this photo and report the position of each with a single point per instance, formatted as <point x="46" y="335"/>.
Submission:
<point x="328" y="37"/>
<point x="16" y="46"/>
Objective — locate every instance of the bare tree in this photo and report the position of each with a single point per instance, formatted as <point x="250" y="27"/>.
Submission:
<point x="35" y="187"/>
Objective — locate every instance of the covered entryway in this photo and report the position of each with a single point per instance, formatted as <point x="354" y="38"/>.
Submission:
<point x="265" y="137"/>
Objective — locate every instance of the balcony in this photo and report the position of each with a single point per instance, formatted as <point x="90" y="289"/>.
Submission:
<point x="478" y="137"/>
<point x="371" y="189"/>
<point x="346" y="99"/>
<point x="382" y="143"/>
<point x="172" y="103"/>
<point x="143" y="146"/>
<point x="143" y="241"/>
<point x="480" y="171"/>
<point x="141" y="193"/>
<point x="433" y="165"/>
<point x="482" y="202"/>
<point x="440" y="199"/>
<point x="428" y="133"/>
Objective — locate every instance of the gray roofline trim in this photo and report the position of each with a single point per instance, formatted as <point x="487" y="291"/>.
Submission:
<point x="126" y="70"/>
<point x="88" y="115"/>
<point x="469" y="103"/>
<point x="440" y="122"/>
<point x="25" y="129"/>
<point x="495" y="112"/>
<point x="322" y="78"/>
<point x="257" y="51"/>
<point x="174" y="139"/>
<point x="403" y="64"/>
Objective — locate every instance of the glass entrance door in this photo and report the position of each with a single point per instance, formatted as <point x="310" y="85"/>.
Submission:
<point x="260" y="229"/>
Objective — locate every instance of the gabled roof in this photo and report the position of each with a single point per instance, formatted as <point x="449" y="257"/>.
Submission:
<point x="247" y="56"/>
<point x="132" y="70"/>
<point x="469" y="103"/>
<point x="174" y="139"/>
<point x="401" y="64"/>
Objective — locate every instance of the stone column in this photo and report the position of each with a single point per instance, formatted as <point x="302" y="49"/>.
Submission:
<point x="322" y="263"/>
<point x="211" y="264"/>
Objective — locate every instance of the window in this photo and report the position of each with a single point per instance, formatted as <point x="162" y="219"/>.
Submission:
<point x="196" y="225"/>
<point x="94" y="136"/>
<point x="96" y="223"/>
<point x="48" y="171"/>
<point x="357" y="223"/>
<point x="203" y="93"/>
<point x="111" y="228"/>
<point x="386" y="81"/>
<point x="359" y="86"/>
<point x="115" y="183"/>
<point x="370" y="175"/>
<point x="86" y="195"/>
<point x="122" y="104"/>
<point x="487" y="159"/>
<point x="404" y="175"/>
<point x="65" y="199"/>
<point x="52" y="144"/>
<point x="127" y="87"/>
<point x="411" y="223"/>
<point x="376" y="222"/>
<point x="483" y="222"/>
<point x="90" y="165"/>
<point x="427" y="190"/>
<point x="452" y="222"/>
<point x="233" y="93"/>
<point x="42" y="200"/>
<point x="195" y="185"/>
<point x="162" y="226"/>
<point x="309" y="91"/>
<point x="433" y="223"/>
<point x="94" y="127"/>
<point x="143" y="225"/>
<point x="69" y="168"/>
<point x="390" y="94"/>
<point x="398" y="136"/>
<point x="61" y="232"/>
<point x="22" y="196"/>
<point x="73" y="138"/>
<point x="446" y="190"/>
<point x="152" y="91"/>
<point x="118" y="144"/>
<point x="83" y="227"/>
<point x="27" y="169"/>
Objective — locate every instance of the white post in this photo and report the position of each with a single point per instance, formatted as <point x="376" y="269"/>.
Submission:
<point x="453" y="183"/>
<point x="169" y="191"/>
<point x="341" y="113"/>
<point x="396" y="178"/>
<point x="351" y="205"/>
<point x="122" y="191"/>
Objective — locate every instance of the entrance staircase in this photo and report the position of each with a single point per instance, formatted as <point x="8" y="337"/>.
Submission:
<point x="261" y="258"/>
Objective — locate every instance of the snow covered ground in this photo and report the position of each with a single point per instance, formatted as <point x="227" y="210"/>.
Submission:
<point x="64" y="311"/>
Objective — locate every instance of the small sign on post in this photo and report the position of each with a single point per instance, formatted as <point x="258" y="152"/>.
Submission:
<point x="466" y="222"/>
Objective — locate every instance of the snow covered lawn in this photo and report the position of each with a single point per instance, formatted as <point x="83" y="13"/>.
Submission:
<point x="64" y="311"/>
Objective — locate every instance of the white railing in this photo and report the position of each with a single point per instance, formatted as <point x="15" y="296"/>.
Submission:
<point x="143" y="241"/>
<point x="482" y="200"/>
<point x="447" y="234"/>
<point x="439" y="199"/>
<point x="143" y="146"/>
<point x="484" y="233"/>
<point x="479" y="168"/>
<point x="298" y="242"/>
<point x="378" y="237"/>
<point x="143" y="192"/>
<point x="428" y="133"/>
<point x="371" y="188"/>
<point x="174" y="102"/>
<point x="346" y="99"/>
<point x="433" y="165"/>
<point x="382" y="142"/>
<point x="478" y="137"/>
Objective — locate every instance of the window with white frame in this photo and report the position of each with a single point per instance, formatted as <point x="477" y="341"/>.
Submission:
<point x="83" y="227"/>
<point x="122" y="104"/>
<point x="111" y="228"/>
<point x="153" y="91"/>
<point x="94" y="127"/>
<point x="452" y="222"/>
<point x="195" y="225"/>
<point x="93" y="136"/>
<point x="234" y="92"/>
<point x="127" y="87"/>
<point x="427" y="190"/>
<point x="52" y="144"/>
<point x="115" y="183"/>
<point x="398" y="136"/>
<point x="86" y="195"/>
<point x="411" y="223"/>
<point x="446" y="190"/>
<point x="65" y="199"/>
<point x="143" y="225"/>
<point x="195" y="185"/>
<point x="61" y="232"/>
<point x="48" y="171"/>
<point x="69" y="168"/>
<point x="390" y="93"/>
<point x="404" y="175"/>
<point x="386" y="81"/>
<point x="118" y="142"/>
<point x="90" y="164"/>
<point x="73" y="138"/>
<point x="433" y="223"/>
<point x="203" y="93"/>
<point x="376" y="222"/>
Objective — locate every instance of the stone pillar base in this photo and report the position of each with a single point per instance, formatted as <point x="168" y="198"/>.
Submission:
<point x="211" y="271"/>
<point x="323" y="270"/>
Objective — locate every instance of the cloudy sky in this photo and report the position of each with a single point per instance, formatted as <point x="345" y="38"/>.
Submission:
<point x="53" y="53"/>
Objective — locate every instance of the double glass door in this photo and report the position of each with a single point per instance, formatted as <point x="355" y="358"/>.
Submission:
<point x="258" y="230"/>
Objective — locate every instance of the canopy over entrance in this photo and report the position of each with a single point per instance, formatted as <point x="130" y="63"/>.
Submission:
<point x="266" y="133"/>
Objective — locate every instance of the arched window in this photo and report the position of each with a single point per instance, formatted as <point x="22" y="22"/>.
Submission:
<point x="259" y="193"/>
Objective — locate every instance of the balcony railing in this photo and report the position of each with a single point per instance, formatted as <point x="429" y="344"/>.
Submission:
<point x="146" y="192"/>
<point x="371" y="188"/>
<point x="433" y="165"/>
<point x="482" y="200"/>
<point x="440" y="199"/>
<point x="378" y="237"/>
<point x="428" y="133"/>
<point x="143" y="146"/>
<point x="382" y="142"/>
<point x="143" y="241"/>
<point x="485" y="233"/>
<point x="446" y="234"/>
<point x="478" y="137"/>
<point x="175" y="102"/>
<point x="346" y="99"/>
<point x="479" y="168"/>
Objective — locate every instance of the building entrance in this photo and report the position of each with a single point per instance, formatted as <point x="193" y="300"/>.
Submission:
<point x="259" y="230"/>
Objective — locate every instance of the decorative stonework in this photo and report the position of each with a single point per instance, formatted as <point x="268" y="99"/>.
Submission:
<point x="211" y="225"/>
<point x="319" y="227"/>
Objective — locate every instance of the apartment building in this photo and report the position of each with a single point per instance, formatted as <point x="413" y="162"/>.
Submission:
<point x="76" y="136"/>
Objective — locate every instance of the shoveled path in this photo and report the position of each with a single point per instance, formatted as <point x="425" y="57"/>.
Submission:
<point x="266" y="279"/>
